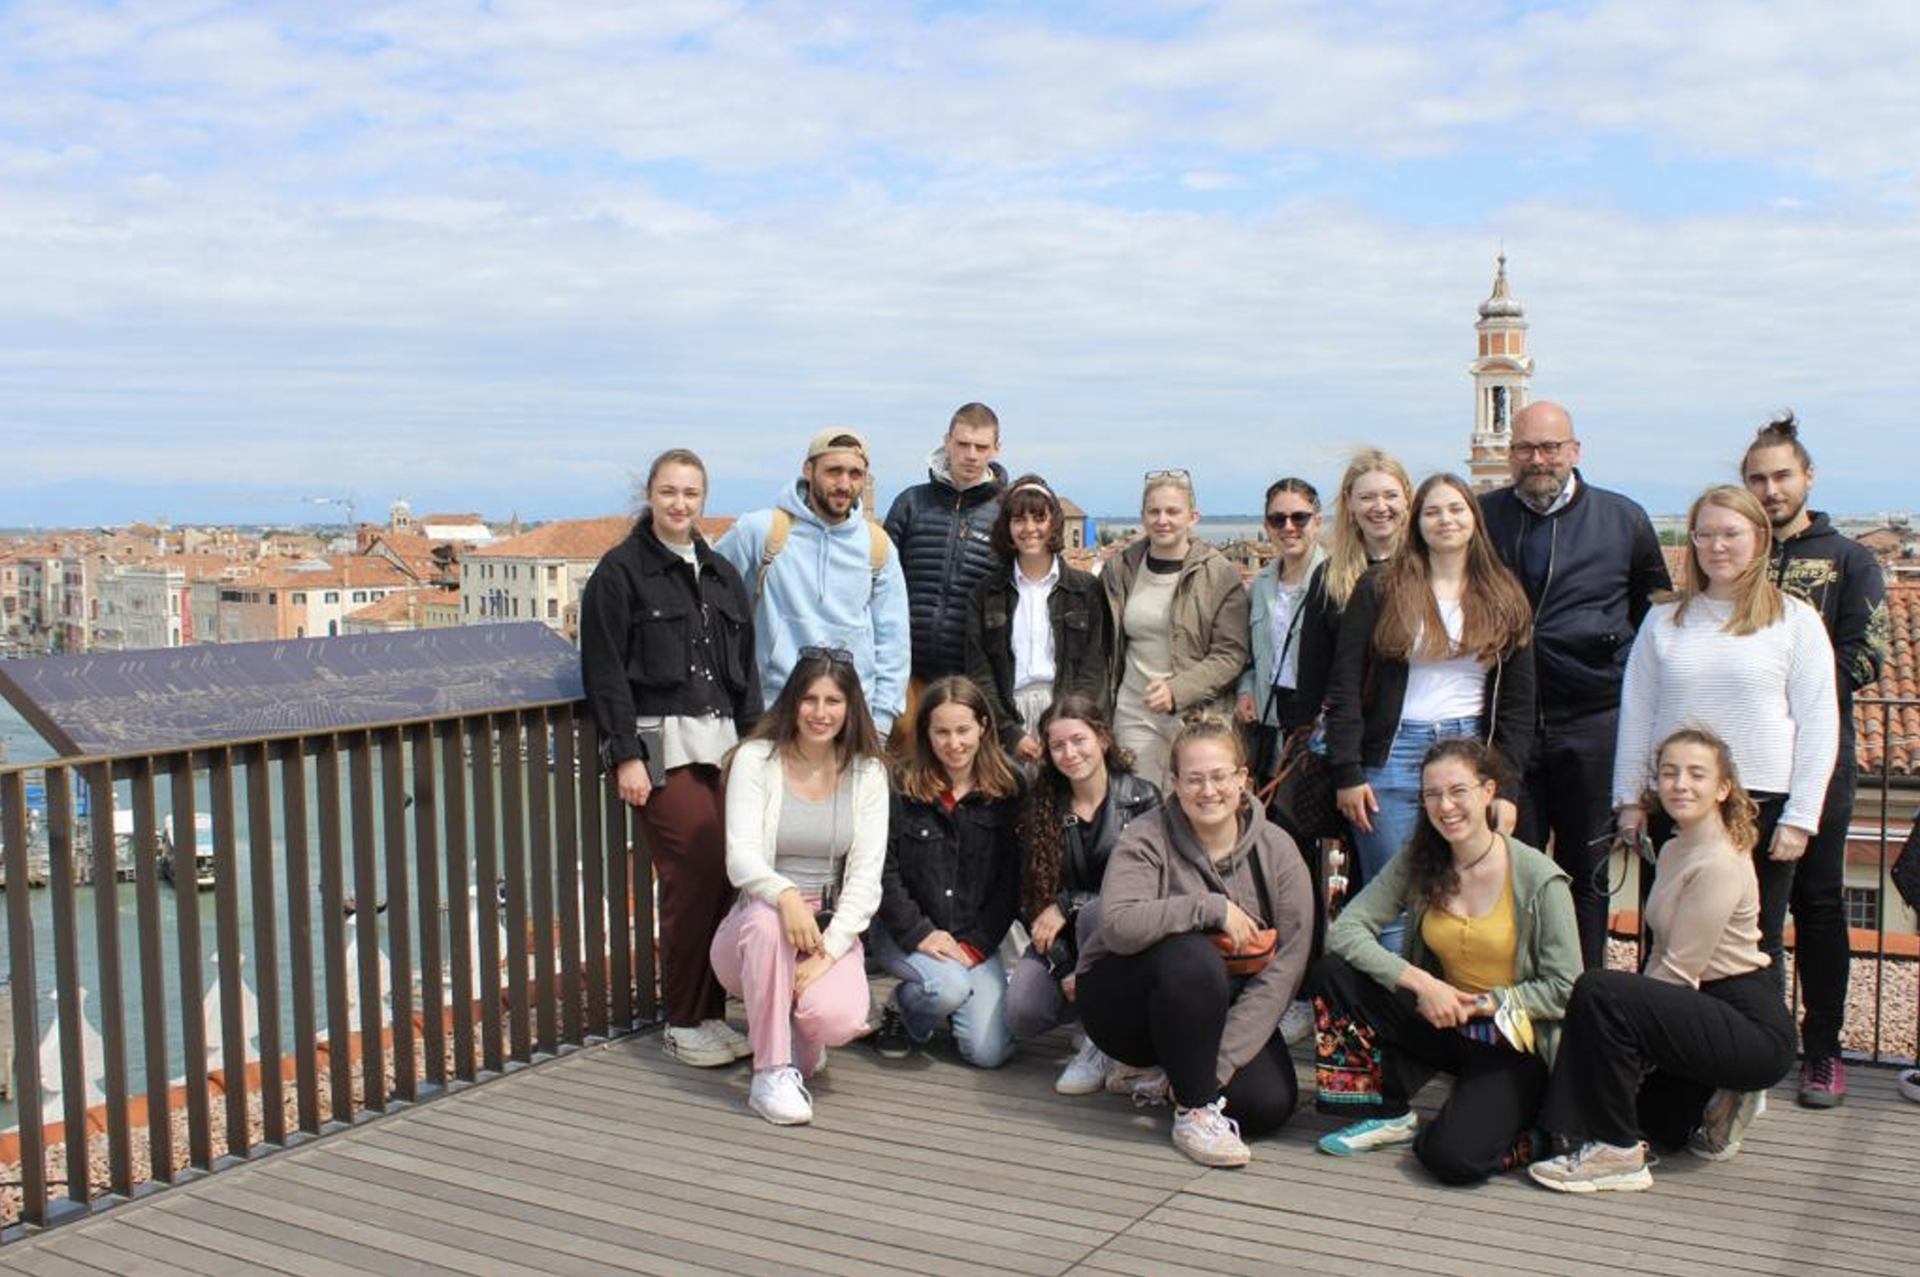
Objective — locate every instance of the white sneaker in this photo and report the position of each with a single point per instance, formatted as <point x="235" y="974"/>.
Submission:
<point x="781" y="1097"/>
<point x="1296" y="1026"/>
<point x="1086" y="1072"/>
<point x="1209" y="1136"/>
<point x="696" y="1046"/>
<point x="1144" y="1085"/>
<point x="1724" y="1123"/>
<point x="728" y="1036"/>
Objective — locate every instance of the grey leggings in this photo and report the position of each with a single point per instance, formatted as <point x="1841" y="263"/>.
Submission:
<point x="1035" y="1003"/>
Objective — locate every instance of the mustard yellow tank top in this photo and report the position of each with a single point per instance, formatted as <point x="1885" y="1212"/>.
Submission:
<point x="1476" y="954"/>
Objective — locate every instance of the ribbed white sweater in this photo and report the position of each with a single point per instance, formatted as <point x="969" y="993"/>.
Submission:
<point x="1770" y="695"/>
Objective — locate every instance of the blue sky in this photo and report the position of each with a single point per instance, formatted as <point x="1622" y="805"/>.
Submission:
<point x="495" y="255"/>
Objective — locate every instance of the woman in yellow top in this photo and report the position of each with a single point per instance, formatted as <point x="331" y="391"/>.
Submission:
<point x="1491" y="954"/>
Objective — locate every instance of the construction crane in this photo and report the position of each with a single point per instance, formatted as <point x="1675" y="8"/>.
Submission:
<point x="345" y="503"/>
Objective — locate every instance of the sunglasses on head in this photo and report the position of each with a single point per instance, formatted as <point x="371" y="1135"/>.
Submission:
<point x="1281" y="518"/>
<point x="831" y="655"/>
<point x="1177" y="475"/>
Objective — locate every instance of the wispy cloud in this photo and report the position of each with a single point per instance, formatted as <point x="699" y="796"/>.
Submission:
<point x="508" y="249"/>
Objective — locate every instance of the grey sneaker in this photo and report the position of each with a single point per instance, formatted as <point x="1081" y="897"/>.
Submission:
<point x="696" y="1045"/>
<point x="1086" y="1072"/>
<point x="1724" y="1122"/>
<point x="728" y="1036"/>
<point x="1209" y="1136"/>
<point x="1143" y="1085"/>
<point x="1296" y="1026"/>
<point x="1595" y="1168"/>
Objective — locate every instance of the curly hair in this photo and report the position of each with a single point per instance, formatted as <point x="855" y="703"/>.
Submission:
<point x="1738" y="812"/>
<point x="1042" y="827"/>
<point x="1431" y="874"/>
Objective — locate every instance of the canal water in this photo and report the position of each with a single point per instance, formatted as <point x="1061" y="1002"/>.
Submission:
<point x="23" y="745"/>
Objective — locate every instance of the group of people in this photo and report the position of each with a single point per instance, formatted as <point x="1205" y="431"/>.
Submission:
<point x="933" y="748"/>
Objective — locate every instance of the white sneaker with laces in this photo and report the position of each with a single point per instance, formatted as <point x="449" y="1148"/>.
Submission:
<point x="728" y="1036"/>
<point x="781" y="1097"/>
<point x="1209" y="1136"/>
<point x="695" y="1045"/>
<point x="1086" y="1072"/>
<point x="1296" y="1026"/>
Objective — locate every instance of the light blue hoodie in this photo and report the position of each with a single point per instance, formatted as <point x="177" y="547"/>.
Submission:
<point x="821" y="591"/>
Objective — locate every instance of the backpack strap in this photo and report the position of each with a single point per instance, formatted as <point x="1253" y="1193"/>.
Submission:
<point x="879" y="550"/>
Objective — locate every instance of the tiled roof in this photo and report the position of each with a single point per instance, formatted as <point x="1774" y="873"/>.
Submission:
<point x="1897" y="726"/>
<point x="400" y="606"/>
<point x="580" y="539"/>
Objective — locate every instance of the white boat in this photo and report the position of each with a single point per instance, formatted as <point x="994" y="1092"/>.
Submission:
<point x="202" y="850"/>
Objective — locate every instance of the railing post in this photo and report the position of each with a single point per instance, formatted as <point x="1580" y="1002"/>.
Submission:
<point x="266" y="942"/>
<point x="24" y="991"/>
<point x="153" y="1016"/>
<point x="113" y="1007"/>
<point x="66" y="983"/>
<point x="393" y="847"/>
<point x="182" y="856"/>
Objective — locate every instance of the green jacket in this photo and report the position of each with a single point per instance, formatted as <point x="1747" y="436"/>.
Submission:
<point x="1544" y="969"/>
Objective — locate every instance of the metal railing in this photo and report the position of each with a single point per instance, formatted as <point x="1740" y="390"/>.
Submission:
<point x="482" y="903"/>
<point x="1908" y="968"/>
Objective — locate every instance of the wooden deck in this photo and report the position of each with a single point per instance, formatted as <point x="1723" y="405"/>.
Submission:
<point x="617" y="1160"/>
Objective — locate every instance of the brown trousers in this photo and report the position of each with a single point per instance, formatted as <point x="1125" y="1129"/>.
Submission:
<point x="683" y="820"/>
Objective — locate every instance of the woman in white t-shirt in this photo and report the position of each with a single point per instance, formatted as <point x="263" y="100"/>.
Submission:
<point x="1734" y="654"/>
<point x="1436" y="643"/>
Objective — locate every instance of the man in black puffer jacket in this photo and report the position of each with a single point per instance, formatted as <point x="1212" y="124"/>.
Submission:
<point x="940" y="530"/>
<point x="1590" y="564"/>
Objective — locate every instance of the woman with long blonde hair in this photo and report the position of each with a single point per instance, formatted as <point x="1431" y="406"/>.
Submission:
<point x="1732" y="653"/>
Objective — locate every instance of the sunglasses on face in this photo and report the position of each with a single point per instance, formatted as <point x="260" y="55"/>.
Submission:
<point x="1281" y="518"/>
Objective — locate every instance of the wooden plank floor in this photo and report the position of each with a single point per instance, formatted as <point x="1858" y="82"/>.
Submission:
<point x="617" y="1160"/>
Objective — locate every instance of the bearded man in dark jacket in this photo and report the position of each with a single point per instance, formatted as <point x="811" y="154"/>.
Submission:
<point x="1841" y="579"/>
<point x="940" y="529"/>
<point x="1591" y="564"/>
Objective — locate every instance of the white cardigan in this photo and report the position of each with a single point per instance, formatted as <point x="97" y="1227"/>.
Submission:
<point x="754" y="790"/>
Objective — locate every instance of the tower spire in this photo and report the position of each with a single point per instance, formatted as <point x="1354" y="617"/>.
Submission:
<point x="1502" y="376"/>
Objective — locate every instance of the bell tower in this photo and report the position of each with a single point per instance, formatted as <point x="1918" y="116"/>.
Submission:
<point x="1502" y="376"/>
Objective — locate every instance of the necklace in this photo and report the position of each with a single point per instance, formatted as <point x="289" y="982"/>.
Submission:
<point x="1493" y="840"/>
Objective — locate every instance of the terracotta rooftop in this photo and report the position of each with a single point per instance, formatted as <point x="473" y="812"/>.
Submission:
<point x="1902" y="678"/>
<point x="574" y="539"/>
<point x="402" y="605"/>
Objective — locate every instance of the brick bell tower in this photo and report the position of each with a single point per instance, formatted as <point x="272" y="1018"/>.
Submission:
<point x="1502" y="376"/>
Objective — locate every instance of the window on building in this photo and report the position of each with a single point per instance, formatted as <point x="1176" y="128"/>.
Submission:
<point x="553" y="574"/>
<point x="273" y="596"/>
<point x="333" y="596"/>
<point x="1863" y="908"/>
<point x="553" y="609"/>
<point x="333" y="629"/>
<point x="466" y="607"/>
<point x="299" y="600"/>
<point x="359" y="596"/>
<point x="516" y="605"/>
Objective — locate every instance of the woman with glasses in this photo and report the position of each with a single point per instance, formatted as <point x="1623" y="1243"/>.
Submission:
<point x="1205" y="918"/>
<point x="1734" y="654"/>
<point x="1180" y="624"/>
<point x="952" y="881"/>
<point x="666" y="653"/>
<point x="1037" y="629"/>
<point x="1478" y="991"/>
<point x="1684" y="1054"/>
<point x="807" y="806"/>
<point x="1434" y="644"/>
<point x="1083" y="798"/>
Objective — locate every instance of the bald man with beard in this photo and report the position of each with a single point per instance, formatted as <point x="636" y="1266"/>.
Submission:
<point x="1591" y="564"/>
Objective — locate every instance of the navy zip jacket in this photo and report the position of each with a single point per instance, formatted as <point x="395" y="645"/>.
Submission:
<point x="941" y="534"/>
<point x="1842" y="581"/>
<point x="1591" y="570"/>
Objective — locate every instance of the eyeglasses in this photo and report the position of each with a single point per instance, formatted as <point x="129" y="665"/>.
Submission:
<point x="1298" y="518"/>
<point x="831" y="655"/>
<point x="1546" y="450"/>
<point x="1200" y="782"/>
<point x="1702" y="536"/>
<point x="1176" y="475"/>
<point x="1455" y="794"/>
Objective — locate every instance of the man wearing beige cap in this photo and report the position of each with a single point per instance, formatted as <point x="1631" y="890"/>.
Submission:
<point x="823" y="576"/>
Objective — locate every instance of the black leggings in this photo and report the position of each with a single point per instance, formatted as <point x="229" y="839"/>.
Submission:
<point x="1640" y="1056"/>
<point x="1496" y="1089"/>
<point x="1167" y="1005"/>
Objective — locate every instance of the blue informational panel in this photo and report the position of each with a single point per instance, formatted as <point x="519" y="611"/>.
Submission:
<point x="166" y="698"/>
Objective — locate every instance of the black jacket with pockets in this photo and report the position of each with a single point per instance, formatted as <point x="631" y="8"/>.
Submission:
<point x="955" y="871"/>
<point x="654" y="640"/>
<point x="1082" y="641"/>
<point x="941" y="536"/>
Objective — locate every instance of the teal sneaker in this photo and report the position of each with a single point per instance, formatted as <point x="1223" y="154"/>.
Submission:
<point x="1375" y="1132"/>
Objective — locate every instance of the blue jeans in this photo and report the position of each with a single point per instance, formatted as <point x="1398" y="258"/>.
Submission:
<point x="936" y="989"/>
<point x="1396" y="787"/>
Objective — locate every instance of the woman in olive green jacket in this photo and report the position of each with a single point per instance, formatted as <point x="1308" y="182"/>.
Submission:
<point x="1491" y="954"/>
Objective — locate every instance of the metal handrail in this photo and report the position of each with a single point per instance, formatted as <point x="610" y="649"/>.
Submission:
<point x="421" y="811"/>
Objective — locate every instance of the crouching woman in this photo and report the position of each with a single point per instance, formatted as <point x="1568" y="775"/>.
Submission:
<point x="1685" y="1053"/>
<point x="806" y="841"/>
<point x="1491" y="954"/>
<point x="1206" y="916"/>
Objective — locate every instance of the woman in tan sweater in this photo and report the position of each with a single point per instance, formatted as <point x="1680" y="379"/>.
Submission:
<point x="1685" y="1053"/>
